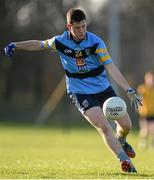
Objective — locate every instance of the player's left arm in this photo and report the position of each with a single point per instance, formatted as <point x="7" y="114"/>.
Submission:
<point x="118" y="77"/>
<point x="105" y="59"/>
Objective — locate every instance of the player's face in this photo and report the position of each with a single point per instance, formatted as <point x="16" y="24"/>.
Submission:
<point x="78" y="30"/>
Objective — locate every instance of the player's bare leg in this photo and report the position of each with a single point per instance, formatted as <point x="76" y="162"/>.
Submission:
<point x="123" y="127"/>
<point x="95" y="116"/>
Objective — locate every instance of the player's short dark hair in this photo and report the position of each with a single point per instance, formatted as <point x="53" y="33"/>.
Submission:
<point x="75" y="15"/>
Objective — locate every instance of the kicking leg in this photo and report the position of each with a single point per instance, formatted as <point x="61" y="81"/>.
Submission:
<point x="123" y="127"/>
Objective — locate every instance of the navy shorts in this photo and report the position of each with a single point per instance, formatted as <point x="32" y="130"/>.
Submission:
<point x="86" y="101"/>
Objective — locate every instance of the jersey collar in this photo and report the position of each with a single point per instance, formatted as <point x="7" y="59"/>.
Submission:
<point x="69" y="36"/>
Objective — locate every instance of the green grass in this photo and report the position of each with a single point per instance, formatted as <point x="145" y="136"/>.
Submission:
<point x="44" y="153"/>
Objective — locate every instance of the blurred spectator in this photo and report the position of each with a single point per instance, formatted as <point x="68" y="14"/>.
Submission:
<point x="146" y="112"/>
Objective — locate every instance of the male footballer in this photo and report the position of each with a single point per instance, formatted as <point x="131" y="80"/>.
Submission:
<point x="85" y="59"/>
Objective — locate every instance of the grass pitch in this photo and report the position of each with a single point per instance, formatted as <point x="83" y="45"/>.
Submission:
<point x="48" y="153"/>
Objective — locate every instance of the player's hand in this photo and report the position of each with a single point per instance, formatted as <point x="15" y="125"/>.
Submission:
<point x="134" y="98"/>
<point x="9" y="49"/>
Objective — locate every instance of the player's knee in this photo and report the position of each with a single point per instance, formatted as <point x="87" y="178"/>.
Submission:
<point x="127" y="127"/>
<point x="126" y="124"/>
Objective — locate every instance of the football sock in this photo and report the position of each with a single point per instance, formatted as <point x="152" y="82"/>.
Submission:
<point x="122" y="140"/>
<point x="122" y="156"/>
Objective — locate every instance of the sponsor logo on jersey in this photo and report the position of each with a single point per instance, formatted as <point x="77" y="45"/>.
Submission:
<point x="81" y="64"/>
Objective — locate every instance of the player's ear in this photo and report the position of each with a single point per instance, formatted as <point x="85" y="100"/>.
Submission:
<point x="68" y="26"/>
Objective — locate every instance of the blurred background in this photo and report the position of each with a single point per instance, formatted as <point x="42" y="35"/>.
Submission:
<point x="29" y="79"/>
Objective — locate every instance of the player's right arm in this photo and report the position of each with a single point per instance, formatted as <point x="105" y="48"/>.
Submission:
<point x="30" y="45"/>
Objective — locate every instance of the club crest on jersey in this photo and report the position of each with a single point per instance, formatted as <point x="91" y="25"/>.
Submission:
<point x="87" y="51"/>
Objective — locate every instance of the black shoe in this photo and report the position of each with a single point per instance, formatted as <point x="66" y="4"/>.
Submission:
<point x="129" y="150"/>
<point x="127" y="166"/>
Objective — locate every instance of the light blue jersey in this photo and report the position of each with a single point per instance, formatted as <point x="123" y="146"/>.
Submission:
<point x="83" y="62"/>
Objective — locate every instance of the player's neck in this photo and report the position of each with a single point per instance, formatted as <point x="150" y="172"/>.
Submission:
<point x="76" y="40"/>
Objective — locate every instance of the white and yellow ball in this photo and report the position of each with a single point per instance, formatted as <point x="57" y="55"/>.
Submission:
<point x="114" y="108"/>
